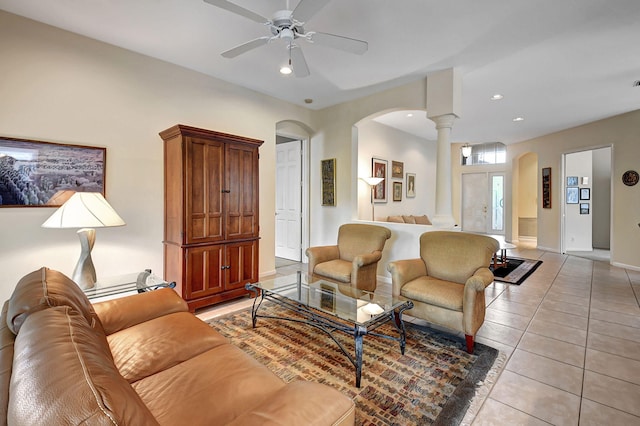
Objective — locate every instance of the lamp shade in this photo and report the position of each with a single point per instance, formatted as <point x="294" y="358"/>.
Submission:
<point x="372" y="181"/>
<point x="84" y="210"/>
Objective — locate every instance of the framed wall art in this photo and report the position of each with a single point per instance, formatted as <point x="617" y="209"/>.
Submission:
<point x="46" y="174"/>
<point x="546" y="188"/>
<point x="397" y="191"/>
<point x="397" y="169"/>
<point x="572" y="195"/>
<point x="411" y="185"/>
<point x="584" y="208"/>
<point x="379" y="169"/>
<point x="328" y="171"/>
<point x="585" y="193"/>
<point x="572" y="181"/>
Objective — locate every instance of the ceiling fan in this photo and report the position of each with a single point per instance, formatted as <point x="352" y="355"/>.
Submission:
<point x="288" y="25"/>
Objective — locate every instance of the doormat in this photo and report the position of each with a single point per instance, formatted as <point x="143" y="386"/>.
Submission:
<point x="434" y="382"/>
<point x="516" y="271"/>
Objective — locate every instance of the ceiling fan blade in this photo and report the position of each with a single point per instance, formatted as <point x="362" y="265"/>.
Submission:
<point x="238" y="10"/>
<point x="307" y="8"/>
<point x="347" y="44"/>
<point x="245" y="47"/>
<point x="299" y="64"/>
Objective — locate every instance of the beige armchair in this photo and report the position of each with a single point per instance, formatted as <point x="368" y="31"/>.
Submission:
<point x="446" y="284"/>
<point x="354" y="260"/>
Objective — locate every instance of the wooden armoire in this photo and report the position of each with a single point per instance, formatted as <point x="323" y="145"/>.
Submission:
<point x="211" y="221"/>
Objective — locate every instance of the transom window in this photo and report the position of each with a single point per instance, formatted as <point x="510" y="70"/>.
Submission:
<point x="486" y="153"/>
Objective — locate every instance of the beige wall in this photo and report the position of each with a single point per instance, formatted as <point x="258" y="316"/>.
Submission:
<point x="60" y="87"/>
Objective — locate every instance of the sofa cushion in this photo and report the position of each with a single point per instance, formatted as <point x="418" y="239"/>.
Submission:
<point x="213" y="388"/>
<point x="339" y="270"/>
<point x="436" y="292"/>
<point x="63" y="373"/>
<point x="7" y="339"/>
<point x="395" y="219"/>
<point x="422" y="220"/>
<point x="156" y="345"/>
<point x="408" y="219"/>
<point x="43" y="289"/>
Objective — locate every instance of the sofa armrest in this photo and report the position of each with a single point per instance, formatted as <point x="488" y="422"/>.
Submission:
<point x="321" y="254"/>
<point x="403" y="271"/>
<point x="118" y="314"/>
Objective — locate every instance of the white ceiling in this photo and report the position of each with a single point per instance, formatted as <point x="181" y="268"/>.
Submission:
<point x="558" y="64"/>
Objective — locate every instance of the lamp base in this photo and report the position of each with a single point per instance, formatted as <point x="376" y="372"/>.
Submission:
<point x="84" y="273"/>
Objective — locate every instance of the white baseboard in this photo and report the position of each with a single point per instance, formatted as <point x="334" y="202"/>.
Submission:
<point x="629" y="267"/>
<point x="549" y="249"/>
<point x="267" y="274"/>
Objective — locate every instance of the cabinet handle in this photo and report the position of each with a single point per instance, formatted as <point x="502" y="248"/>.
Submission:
<point x="225" y="267"/>
<point x="226" y="191"/>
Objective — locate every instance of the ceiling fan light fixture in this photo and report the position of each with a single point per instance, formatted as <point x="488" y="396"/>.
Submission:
<point x="286" y="69"/>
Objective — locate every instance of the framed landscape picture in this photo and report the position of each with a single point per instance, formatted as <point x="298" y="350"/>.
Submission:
<point x="328" y="170"/>
<point x="45" y="174"/>
<point x="379" y="169"/>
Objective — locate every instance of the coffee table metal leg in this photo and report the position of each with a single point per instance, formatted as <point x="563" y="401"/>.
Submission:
<point x="358" y="334"/>
<point x="399" y="324"/>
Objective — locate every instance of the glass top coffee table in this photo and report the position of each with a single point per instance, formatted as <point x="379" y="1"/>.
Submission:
<point x="332" y="307"/>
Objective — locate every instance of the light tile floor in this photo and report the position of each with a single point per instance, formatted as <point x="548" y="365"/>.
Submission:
<point x="571" y="334"/>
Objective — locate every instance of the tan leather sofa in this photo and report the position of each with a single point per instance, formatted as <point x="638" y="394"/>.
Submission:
<point x="447" y="282"/>
<point x="354" y="260"/>
<point x="138" y="360"/>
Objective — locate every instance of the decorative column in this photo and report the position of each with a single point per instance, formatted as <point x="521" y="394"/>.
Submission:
<point x="444" y="204"/>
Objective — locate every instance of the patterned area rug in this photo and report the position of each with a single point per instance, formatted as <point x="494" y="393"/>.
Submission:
<point x="433" y="383"/>
<point x="516" y="271"/>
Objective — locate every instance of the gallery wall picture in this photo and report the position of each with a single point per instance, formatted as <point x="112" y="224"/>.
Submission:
<point x="584" y="208"/>
<point x="546" y="188"/>
<point x="411" y="185"/>
<point x="328" y="170"/>
<point x="572" y="195"/>
<point x="585" y="193"/>
<point x="572" y="181"/>
<point x="379" y="169"/>
<point x="397" y="169"/>
<point x="46" y="174"/>
<point x="397" y="191"/>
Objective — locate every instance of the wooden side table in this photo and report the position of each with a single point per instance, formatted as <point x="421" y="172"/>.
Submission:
<point x="500" y="260"/>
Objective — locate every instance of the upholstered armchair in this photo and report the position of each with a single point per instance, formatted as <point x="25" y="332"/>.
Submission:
<point x="446" y="284"/>
<point x="354" y="260"/>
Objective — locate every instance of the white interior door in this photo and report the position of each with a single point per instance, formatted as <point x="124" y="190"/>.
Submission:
<point x="288" y="200"/>
<point x="475" y="203"/>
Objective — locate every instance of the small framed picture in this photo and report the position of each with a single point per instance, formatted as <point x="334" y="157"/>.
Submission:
<point x="584" y="208"/>
<point x="397" y="169"/>
<point x="572" y="195"/>
<point x="572" y="181"/>
<point x="585" y="193"/>
<point x="379" y="169"/>
<point x="411" y="185"/>
<point x="397" y="191"/>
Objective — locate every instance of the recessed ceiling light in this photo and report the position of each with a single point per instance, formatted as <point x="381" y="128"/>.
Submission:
<point x="496" y="97"/>
<point x="518" y="119"/>
<point x="410" y="115"/>
<point x="286" y="70"/>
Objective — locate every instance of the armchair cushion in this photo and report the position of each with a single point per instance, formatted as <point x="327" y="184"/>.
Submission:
<point x="434" y="292"/>
<point x="339" y="270"/>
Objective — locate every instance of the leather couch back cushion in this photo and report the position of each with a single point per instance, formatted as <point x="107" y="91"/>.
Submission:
<point x="355" y="239"/>
<point x="455" y="256"/>
<point x="45" y="288"/>
<point x="63" y="373"/>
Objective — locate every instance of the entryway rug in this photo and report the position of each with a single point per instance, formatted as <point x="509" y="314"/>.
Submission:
<point x="434" y="382"/>
<point x="516" y="271"/>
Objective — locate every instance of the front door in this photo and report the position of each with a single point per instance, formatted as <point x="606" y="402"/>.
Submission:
<point x="288" y="200"/>
<point x="483" y="203"/>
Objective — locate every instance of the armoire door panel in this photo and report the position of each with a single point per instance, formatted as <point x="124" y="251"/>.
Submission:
<point x="242" y="217"/>
<point x="205" y="271"/>
<point x="240" y="258"/>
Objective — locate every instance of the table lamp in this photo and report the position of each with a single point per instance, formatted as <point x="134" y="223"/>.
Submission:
<point x="372" y="182"/>
<point x="85" y="210"/>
